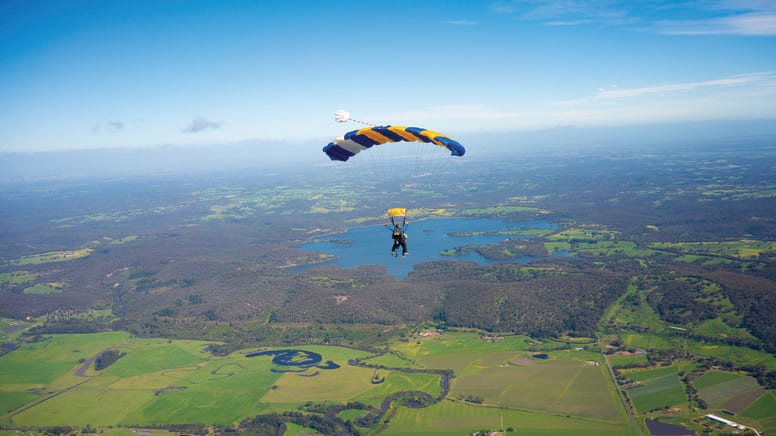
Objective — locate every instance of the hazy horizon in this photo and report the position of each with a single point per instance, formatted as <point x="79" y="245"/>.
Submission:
<point x="197" y="159"/>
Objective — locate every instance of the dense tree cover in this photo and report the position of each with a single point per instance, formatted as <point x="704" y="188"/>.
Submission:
<point x="755" y="299"/>
<point x="107" y="358"/>
<point x="546" y="306"/>
<point x="275" y="424"/>
<point x="677" y="301"/>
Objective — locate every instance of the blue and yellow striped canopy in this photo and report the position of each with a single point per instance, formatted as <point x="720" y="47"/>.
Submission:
<point x="353" y="142"/>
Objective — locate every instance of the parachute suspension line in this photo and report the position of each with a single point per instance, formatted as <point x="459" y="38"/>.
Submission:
<point x="416" y="159"/>
<point x="395" y="220"/>
<point x="362" y="122"/>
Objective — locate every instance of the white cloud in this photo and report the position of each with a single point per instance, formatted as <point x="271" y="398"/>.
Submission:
<point x="200" y="124"/>
<point x="751" y="24"/>
<point x="744" y="96"/>
<point x="712" y="17"/>
<point x="108" y="126"/>
<point x="740" y="79"/>
<point x="567" y="23"/>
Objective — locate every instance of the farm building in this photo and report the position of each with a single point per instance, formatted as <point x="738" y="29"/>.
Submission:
<point x="726" y="421"/>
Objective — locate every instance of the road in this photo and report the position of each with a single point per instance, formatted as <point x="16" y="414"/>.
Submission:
<point x="624" y="400"/>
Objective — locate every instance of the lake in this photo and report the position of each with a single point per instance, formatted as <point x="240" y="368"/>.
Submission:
<point x="427" y="240"/>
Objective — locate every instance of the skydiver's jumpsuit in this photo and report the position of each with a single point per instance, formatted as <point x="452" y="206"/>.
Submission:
<point x="399" y="240"/>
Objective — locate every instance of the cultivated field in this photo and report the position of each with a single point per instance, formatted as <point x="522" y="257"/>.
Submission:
<point x="451" y="417"/>
<point x="501" y="377"/>
<point x="162" y="381"/>
<point x="158" y="381"/>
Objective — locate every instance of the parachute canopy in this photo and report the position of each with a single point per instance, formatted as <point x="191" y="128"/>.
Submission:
<point x="353" y="142"/>
<point x="397" y="211"/>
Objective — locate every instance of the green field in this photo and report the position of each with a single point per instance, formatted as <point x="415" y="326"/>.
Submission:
<point x="52" y="256"/>
<point x="161" y="381"/>
<point x="642" y="375"/>
<point x="452" y="417"/>
<point x="740" y="356"/>
<point x="711" y="378"/>
<point x="499" y="382"/>
<point x="626" y="360"/>
<point x="735" y="394"/>
<point x="763" y="407"/>
<point x="17" y="277"/>
<point x="736" y="249"/>
<point x="44" y="289"/>
<point x="658" y="393"/>
<point x="762" y="410"/>
<point x="717" y="328"/>
<point x="11" y="329"/>
<point x="631" y="310"/>
<point x="658" y="387"/>
<point x="174" y="381"/>
<point x="503" y="373"/>
<point x="647" y="341"/>
<point x="390" y="360"/>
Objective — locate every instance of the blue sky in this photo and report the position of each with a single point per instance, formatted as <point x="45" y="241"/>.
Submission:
<point x="77" y="74"/>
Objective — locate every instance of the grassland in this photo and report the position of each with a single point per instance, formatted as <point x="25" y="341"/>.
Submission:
<point x="734" y="394"/>
<point x="504" y="374"/>
<point x="453" y="417"/>
<point x="657" y="388"/>
<point x="500" y="382"/>
<point x="45" y="288"/>
<point x="740" y="356"/>
<point x="239" y="203"/>
<point x="390" y="360"/>
<point x="594" y="240"/>
<point x="11" y="329"/>
<point x="166" y="382"/>
<point x="631" y="310"/>
<point x="52" y="256"/>
<point x="17" y="277"/>
<point x="162" y="381"/>
<point x="763" y="407"/>
<point x="744" y="249"/>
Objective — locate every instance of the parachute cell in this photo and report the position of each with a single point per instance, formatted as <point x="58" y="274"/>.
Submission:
<point x="353" y="142"/>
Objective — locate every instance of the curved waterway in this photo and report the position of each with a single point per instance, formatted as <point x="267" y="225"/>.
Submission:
<point x="427" y="240"/>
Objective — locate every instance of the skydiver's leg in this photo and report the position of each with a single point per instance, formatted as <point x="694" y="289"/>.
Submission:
<point x="403" y="248"/>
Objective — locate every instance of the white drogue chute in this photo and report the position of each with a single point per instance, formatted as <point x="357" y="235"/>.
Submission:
<point x="341" y="116"/>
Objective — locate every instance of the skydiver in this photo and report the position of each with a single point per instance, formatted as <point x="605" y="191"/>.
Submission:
<point x="399" y="239"/>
